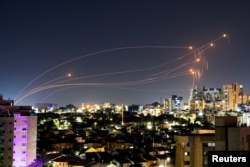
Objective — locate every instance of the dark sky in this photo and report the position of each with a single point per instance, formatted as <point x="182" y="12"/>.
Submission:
<point x="123" y="52"/>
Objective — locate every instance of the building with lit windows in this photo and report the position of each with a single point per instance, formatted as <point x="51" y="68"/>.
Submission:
<point x="246" y="102"/>
<point x="173" y="103"/>
<point x="18" y="129"/>
<point x="229" y="136"/>
<point x="230" y="97"/>
<point x="233" y="95"/>
<point x="192" y="149"/>
<point x="244" y="120"/>
<point x="44" y="107"/>
<point x="206" y="99"/>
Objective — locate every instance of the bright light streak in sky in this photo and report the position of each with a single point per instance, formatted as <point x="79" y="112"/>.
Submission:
<point x="193" y="57"/>
<point x="127" y="52"/>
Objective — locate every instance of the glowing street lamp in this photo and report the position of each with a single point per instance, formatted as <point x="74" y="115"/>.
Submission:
<point x="95" y="124"/>
<point x="149" y="125"/>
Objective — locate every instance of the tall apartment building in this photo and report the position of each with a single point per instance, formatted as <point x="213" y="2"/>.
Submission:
<point x="230" y="97"/>
<point x="233" y="95"/>
<point x="229" y="136"/>
<point x="173" y="103"/>
<point x="18" y="129"/>
<point x="192" y="149"/>
<point x="205" y="99"/>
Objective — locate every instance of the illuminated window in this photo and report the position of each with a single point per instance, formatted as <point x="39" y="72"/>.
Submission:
<point x="211" y="144"/>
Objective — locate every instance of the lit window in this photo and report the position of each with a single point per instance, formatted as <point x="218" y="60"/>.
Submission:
<point x="211" y="144"/>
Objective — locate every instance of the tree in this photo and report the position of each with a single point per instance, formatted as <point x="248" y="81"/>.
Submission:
<point x="71" y="107"/>
<point x="156" y="104"/>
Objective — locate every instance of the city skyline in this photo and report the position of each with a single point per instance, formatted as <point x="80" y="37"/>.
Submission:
<point x="120" y="52"/>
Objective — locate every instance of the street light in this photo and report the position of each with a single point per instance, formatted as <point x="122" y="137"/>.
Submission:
<point x="95" y="124"/>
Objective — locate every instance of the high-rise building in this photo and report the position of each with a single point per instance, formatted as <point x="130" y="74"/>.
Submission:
<point x="230" y="97"/>
<point x="229" y="136"/>
<point x="233" y="95"/>
<point x="18" y="134"/>
<point x="192" y="149"/>
<point x="205" y="99"/>
<point x="173" y="103"/>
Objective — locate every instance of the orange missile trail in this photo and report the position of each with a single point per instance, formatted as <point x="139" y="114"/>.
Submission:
<point x="195" y="58"/>
<point x="93" y="54"/>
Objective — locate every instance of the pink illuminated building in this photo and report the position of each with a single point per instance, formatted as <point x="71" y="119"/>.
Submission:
<point x="18" y="134"/>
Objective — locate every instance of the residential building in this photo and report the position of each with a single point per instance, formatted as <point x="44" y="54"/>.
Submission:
<point x="205" y="99"/>
<point x="45" y="107"/>
<point x="233" y="95"/>
<point x="191" y="149"/>
<point x="230" y="97"/>
<point x="18" y="129"/>
<point x="229" y="136"/>
<point x="173" y="103"/>
<point x="244" y="120"/>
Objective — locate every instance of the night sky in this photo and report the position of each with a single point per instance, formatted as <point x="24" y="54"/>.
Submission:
<point x="117" y="51"/>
